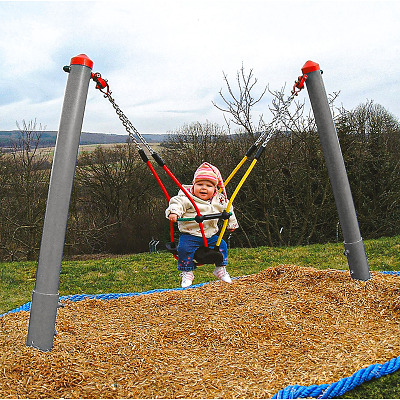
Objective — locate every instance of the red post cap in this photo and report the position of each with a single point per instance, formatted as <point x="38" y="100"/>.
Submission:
<point x="310" y="66"/>
<point x="82" y="59"/>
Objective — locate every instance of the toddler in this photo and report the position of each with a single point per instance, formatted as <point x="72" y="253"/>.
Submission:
<point x="204" y="191"/>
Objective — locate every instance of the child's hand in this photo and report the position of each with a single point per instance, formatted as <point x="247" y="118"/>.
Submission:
<point x="173" y="217"/>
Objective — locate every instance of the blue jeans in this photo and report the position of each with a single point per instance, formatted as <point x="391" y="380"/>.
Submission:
<point x="188" y="244"/>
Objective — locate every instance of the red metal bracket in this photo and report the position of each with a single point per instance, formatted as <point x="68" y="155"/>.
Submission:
<point x="299" y="84"/>
<point x="101" y="83"/>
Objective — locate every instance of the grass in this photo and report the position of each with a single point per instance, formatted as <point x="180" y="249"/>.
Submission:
<point x="142" y="272"/>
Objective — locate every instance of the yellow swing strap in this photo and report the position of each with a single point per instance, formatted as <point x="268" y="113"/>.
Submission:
<point x="249" y="152"/>
<point x="228" y="207"/>
<point x="247" y="173"/>
<point x="233" y="173"/>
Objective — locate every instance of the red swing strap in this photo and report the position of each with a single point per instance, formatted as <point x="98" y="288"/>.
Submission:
<point x="161" y="163"/>
<point x="163" y="188"/>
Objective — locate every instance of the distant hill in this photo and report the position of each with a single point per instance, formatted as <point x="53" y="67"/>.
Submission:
<point x="48" y="138"/>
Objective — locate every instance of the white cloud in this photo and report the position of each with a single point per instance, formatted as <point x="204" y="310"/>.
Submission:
<point x="164" y="60"/>
<point x="27" y="44"/>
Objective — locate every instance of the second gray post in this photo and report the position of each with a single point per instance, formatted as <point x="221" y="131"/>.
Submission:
<point x="353" y="242"/>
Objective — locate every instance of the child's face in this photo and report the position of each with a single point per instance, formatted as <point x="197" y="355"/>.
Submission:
<point x="204" y="189"/>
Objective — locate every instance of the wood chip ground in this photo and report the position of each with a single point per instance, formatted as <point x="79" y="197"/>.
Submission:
<point x="285" y="325"/>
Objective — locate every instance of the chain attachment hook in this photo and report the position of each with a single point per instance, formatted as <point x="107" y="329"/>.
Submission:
<point x="101" y="84"/>
<point x="299" y="84"/>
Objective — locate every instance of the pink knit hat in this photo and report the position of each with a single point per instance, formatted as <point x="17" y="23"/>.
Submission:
<point x="209" y="172"/>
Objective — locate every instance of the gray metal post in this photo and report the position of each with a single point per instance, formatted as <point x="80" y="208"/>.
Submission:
<point x="45" y="295"/>
<point x="353" y="242"/>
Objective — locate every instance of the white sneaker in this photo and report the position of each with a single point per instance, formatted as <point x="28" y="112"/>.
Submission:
<point x="222" y="274"/>
<point x="187" y="278"/>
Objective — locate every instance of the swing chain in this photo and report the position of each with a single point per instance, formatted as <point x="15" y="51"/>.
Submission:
<point x="102" y="84"/>
<point x="272" y="126"/>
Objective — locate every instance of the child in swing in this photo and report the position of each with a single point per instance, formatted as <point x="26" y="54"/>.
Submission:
<point x="205" y="193"/>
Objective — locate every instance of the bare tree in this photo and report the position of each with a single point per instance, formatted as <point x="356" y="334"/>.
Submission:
<point x="239" y="103"/>
<point x="115" y="202"/>
<point x="24" y="186"/>
<point x="370" y="138"/>
<point x="289" y="187"/>
<point x="189" y="146"/>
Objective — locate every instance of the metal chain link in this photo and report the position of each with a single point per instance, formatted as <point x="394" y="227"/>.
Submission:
<point x="132" y="131"/>
<point x="278" y="117"/>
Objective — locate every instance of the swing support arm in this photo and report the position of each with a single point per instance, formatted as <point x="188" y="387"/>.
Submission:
<point x="200" y="218"/>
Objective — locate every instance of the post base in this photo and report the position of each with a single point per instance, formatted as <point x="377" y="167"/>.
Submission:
<point x="357" y="260"/>
<point x="42" y="321"/>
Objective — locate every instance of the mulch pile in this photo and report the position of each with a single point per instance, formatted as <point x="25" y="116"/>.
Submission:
<point x="285" y="325"/>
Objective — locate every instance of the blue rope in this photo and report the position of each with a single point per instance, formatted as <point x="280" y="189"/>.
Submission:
<point x="104" y="296"/>
<point x="390" y="272"/>
<point x="337" y="389"/>
<point x="324" y="391"/>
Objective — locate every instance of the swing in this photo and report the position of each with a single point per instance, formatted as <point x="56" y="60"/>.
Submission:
<point x="204" y="254"/>
<point x="207" y="255"/>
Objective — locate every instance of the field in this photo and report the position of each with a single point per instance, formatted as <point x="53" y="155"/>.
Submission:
<point x="286" y="273"/>
<point x="84" y="148"/>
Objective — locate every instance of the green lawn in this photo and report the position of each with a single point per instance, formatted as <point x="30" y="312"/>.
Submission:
<point x="142" y="272"/>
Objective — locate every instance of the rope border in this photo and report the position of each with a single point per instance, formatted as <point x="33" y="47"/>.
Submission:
<point x="105" y="296"/>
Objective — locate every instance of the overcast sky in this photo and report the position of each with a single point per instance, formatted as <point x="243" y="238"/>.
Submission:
<point x="164" y="60"/>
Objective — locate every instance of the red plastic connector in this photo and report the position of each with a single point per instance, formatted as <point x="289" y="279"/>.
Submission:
<point x="299" y="84"/>
<point x="101" y="83"/>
